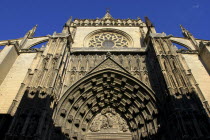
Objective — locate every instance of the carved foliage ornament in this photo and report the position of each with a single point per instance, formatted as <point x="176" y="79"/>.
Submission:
<point x="108" y="121"/>
<point x="109" y="40"/>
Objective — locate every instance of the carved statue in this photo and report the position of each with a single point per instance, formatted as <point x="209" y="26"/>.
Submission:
<point x="108" y="119"/>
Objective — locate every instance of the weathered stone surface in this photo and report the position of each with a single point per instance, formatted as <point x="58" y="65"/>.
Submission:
<point x="200" y="73"/>
<point x="12" y="82"/>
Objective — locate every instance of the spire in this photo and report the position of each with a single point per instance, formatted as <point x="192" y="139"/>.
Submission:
<point x="31" y="32"/>
<point x="69" y="21"/>
<point x="182" y="28"/>
<point x="149" y="25"/>
<point x="28" y="35"/>
<point x="188" y="35"/>
<point x="148" y="22"/>
<point x="107" y="15"/>
<point x="185" y="32"/>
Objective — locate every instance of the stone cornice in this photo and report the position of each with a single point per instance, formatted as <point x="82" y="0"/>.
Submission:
<point x="109" y="22"/>
<point x="88" y="49"/>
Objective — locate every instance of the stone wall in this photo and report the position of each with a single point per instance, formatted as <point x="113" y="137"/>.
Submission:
<point x="7" y="57"/>
<point x="12" y="82"/>
<point x="205" y="56"/>
<point x="200" y="73"/>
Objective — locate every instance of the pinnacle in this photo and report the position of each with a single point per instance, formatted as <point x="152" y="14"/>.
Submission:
<point x="107" y="15"/>
<point x="69" y="21"/>
<point x="182" y="27"/>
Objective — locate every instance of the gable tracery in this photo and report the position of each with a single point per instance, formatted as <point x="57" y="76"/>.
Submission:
<point x="79" y="65"/>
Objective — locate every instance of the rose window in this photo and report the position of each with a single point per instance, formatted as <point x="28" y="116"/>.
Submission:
<point x="108" y="40"/>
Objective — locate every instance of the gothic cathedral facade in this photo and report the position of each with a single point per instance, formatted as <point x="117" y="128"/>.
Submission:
<point x="105" y="79"/>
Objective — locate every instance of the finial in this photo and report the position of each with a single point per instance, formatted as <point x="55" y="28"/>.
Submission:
<point x="32" y="31"/>
<point x="34" y="28"/>
<point x="107" y="10"/>
<point x="107" y="15"/>
<point x="108" y="54"/>
<point x="182" y="27"/>
<point x="185" y="32"/>
<point x="69" y="21"/>
<point x="148" y="22"/>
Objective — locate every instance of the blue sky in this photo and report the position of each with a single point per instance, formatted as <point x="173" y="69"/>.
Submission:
<point x="18" y="16"/>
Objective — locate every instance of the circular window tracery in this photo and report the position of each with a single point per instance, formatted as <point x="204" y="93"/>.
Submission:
<point x="109" y="40"/>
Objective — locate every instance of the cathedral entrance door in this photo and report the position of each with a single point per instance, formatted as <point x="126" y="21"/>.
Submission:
<point x="107" y="105"/>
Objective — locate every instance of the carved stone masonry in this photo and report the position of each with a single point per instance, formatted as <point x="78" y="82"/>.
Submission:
<point x="108" y="121"/>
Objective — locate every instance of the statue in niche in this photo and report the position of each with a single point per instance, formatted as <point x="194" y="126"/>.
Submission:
<point x="82" y="72"/>
<point x="72" y="75"/>
<point x="108" y="121"/>
<point x="45" y="61"/>
<point x="73" y="70"/>
<point x="55" y="60"/>
<point x="136" y="72"/>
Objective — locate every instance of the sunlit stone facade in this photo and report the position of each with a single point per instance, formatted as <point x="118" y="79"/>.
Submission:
<point x="105" y="79"/>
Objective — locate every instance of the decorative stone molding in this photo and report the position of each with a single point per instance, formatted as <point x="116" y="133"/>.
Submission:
<point x="103" y="49"/>
<point x="108" y="64"/>
<point x="109" y="22"/>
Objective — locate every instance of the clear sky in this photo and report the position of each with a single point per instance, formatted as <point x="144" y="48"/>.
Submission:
<point x="18" y="16"/>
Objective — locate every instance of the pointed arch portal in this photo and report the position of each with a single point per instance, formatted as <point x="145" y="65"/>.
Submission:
<point x="88" y="109"/>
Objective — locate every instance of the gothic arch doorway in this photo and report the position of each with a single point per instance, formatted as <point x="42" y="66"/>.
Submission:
<point x="108" y="95"/>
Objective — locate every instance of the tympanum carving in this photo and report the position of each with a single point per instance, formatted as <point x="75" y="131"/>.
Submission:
<point x="108" y="120"/>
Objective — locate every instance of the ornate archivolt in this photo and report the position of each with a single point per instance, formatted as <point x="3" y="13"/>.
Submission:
<point x="96" y="101"/>
<point x="108" y="38"/>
